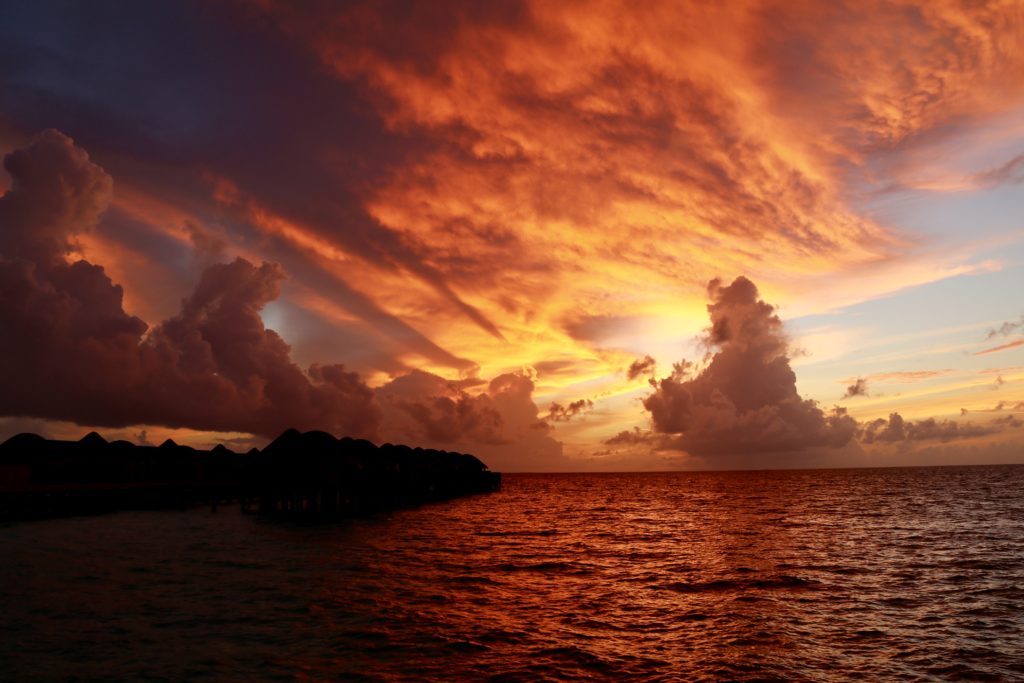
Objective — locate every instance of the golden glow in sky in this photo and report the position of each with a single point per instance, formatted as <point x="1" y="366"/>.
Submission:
<point x="494" y="213"/>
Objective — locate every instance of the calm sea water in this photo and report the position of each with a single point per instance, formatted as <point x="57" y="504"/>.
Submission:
<point x="816" y="575"/>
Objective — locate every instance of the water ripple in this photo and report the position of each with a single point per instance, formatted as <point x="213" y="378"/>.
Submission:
<point x="901" y="574"/>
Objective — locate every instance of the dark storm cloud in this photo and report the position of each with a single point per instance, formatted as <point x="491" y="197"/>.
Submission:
<point x="213" y="365"/>
<point x="858" y="388"/>
<point x="219" y="332"/>
<point x="72" y="353"/>
<point x="745" y="400"/>
<point x="172" y="94"/>
<point x="640" y="366"/>
<point x="55" y="192"/>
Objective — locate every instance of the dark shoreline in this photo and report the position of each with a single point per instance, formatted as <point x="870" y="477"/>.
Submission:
<point x="309" y="476"/>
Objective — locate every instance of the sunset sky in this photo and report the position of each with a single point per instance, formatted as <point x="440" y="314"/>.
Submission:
<point x="502" y="227"/>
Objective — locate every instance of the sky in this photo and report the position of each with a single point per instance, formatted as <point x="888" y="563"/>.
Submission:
<point x="561" y="236"/>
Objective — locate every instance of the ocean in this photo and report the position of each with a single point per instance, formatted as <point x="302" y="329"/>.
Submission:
<point x="877" y="574"/>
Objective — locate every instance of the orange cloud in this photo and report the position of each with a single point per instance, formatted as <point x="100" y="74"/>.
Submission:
<point x="1002" y="347"/>
<point x="595" y="147"/>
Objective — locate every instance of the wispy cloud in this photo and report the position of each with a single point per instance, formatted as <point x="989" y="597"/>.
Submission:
<point x="1002" y="347"/>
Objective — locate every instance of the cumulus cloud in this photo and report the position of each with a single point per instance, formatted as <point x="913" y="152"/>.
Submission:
<point x="858" y="388"/>
<point x="439" y="411"/>
<point x="82" y="358"/>
<point x="55" y="193"/>
<point x="745" y="399"/>
<point x="897" y="429"/>
<point x="1014" y="406"/>
<point x="641" y="366"/>
<point x="500" y="423"/>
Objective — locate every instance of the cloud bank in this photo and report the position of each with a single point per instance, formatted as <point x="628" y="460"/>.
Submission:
<point x="897" y="429"/>
<point x="501" y="423"/>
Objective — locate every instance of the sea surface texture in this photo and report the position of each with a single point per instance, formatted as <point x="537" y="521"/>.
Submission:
<point x="886" y="574"/>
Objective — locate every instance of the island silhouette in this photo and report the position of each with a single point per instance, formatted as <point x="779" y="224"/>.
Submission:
<point x="309" y="476"/>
